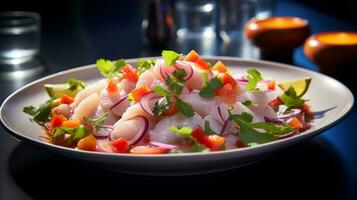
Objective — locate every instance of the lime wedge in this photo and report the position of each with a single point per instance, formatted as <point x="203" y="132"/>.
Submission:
<point x="56" y="90"/>
<point x="300" y="86"/>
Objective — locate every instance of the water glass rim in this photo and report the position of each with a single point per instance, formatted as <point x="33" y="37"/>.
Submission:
<point x="19" y="18"/>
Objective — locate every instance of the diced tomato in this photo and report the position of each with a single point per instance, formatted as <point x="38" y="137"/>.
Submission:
<point x="130" y="73"/>
<point x="120" y="145"/>
<point x="226" y="78"/>
<point x="295" y="123"/>
<point x="66" y="99"/>
<point x="56" y="120"/>
<point x="139" y="92"/>
<point x="71" y="123"/>
<point x="88" y="143"/>
<point x="276" y="103"/>
<point x="200" y="136"/>
<point x="192" y="56"/>
<point x="271" y="85"/>
<point x="172" y="110"/>
<point x="147" y="150"/>
<point x="216" y="142"/>
<point x="220" y="67"/>
<point x="227" y="93"/>
<point x="213" y="142"/>
<point x="112" y="87"/>
<point x="308" y="114"/>
<point x="202" y="64"/>
<point x="240" y="144"/>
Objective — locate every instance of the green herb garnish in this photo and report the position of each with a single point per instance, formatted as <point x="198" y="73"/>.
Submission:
<point x="247" y="103"/>
<point x="208" y="129"/>
<point x="74" y="84"/>
<point x="75" y="133"/>
<point x="290" y="99"/>
<point x="179" y="74"/>
<point x="98" y="121"/>
<point x="248" y="131"/>
<point x="183" y="131"/>
<point x="108" y="69"/>
<point x="184" y="107"/>
<point x="161" y="91"/>
<point x="161" y="106"/>
<point x="170" y="57"/>
<point x="208" y="89"/>
<point x="41" y="115"/>
<point x="253" y="77"/>
<point x="144" y="65"/>
<point x="174" y="85"/>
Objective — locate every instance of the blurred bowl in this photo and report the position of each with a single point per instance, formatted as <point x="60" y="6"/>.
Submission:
<point x="332" y="50"/>
<point x="277" y="35"/>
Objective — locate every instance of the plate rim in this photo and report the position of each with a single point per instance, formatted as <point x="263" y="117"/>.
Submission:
<point x="243" y="151"/>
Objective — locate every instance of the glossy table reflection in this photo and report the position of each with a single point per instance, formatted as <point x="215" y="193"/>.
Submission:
<point x="322" y="167"/>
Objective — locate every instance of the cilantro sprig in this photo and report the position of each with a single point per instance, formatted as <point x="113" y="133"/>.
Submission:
<point x="184" y="107"/>
<point x="208" y="89"/>
<point x="161" y="106"/>
<point x="290" y="99"/>
<point x="174" y="85"/>
<point x="41" y="115"/>
<point x="208" y="129"/>
<point x="74" y="84"/>
<point x="75" y="133"/>
<point x="98" y="121"/>
<point x="144" y="65"/>
<point x="253" y="77"/>
<point x="257" y="133"/>
<point x="108" y="68"/>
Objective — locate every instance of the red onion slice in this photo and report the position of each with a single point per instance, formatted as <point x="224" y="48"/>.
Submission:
<point x="187" y="67"/>
<point x="118" y="102"/>
<point x="221" y="114"/>
<point x="224" y="127"/>
<point x="242" y="80"/>
<point x="146" y="101"/>
<point x="165" y="146"/>
<point x="163" y="72"/>
<point x="142" y="133"/>
<point x="273" y="120"/>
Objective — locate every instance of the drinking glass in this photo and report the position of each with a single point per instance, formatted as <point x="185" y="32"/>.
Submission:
<point x="19" y="36"/>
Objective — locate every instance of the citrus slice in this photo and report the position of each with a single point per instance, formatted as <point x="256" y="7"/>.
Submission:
<point x="300" y="85"/>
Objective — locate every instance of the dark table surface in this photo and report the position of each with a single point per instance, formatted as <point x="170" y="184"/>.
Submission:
<point x="323" y="167"/>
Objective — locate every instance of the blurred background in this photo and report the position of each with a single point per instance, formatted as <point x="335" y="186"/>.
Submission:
<point x="59" y="35"/>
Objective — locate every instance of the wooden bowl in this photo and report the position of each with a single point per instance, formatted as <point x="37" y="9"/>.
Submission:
<point x="277" y="35"/>
<point x="332" y="50"/>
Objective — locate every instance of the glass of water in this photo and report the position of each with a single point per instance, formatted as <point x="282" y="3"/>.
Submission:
<point x="19" y="36"/>
<point x="235" y="13"/>
<point x="195" y="18"/>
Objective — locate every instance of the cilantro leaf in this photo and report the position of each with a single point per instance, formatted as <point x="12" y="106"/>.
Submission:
<point x="253" y="77"/>
<point x="179" y="74"/>
<point x="183" y="131"/>
<point x="208" y="89"/>
<point x="144" y="65"/>
<point x="247" y="103"/>
<point x="105" y="67"/>
<point x="170" y="57"/>
<point x="119" y="65"/>
<point x="247" y="133"/>
<point x="97" y="122"/>
<point x="174" y="85"/>
<point x="31" y="110"/>
<point x="184" y="107"/>
<point x="290" y="99"/>
<point x="74" y="84"/>
<point x="41" y="115"/>
<point x="161" y="91"/>
<point x="161" y="106"/>
<point x="208" y="129"/>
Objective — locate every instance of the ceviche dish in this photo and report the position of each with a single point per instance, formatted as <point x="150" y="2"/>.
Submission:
<point x="171" y="105"/>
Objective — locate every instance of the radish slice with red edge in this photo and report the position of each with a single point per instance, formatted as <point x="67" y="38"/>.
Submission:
<point x="146" y="102"/>
<point x="165" y="146"/>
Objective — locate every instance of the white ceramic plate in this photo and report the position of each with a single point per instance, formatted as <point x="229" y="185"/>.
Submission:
<point x="330" y="99"/>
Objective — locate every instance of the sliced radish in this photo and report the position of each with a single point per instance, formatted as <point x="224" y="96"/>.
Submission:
<point x="144" y="129"/>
